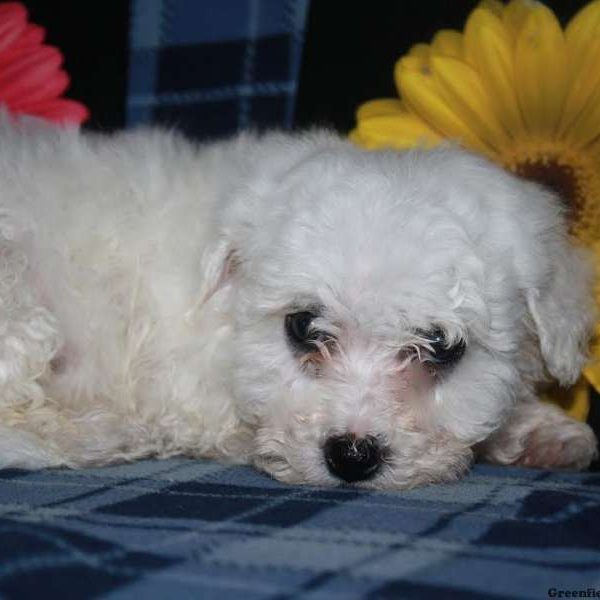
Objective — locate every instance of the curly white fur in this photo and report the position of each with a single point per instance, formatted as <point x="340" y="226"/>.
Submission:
<point x="144" y="282"/>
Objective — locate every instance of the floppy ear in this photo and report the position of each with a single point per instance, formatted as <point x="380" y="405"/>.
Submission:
<point x="217" y="266"/>
<point x="563" y="310"/>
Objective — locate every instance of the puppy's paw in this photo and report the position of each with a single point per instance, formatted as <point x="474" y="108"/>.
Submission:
<point x="543" y="436"/>
<point x="567" y="445"/>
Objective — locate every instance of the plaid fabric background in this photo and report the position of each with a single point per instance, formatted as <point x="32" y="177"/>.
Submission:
<point x="193" y="529"/>
<point x="213" y="67"/>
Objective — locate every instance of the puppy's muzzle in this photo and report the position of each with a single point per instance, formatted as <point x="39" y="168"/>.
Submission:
<point x="353" y="459"/>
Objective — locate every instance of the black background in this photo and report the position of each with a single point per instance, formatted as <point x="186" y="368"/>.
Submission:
<point x="350" y="50"/>
<point x="93" y="38"/>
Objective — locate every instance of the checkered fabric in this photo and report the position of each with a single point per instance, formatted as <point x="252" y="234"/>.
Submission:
<point x="213" y="67"/>
<point x="191" y="529"/>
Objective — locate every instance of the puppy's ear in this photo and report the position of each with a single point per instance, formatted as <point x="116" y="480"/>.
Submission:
<point x="562" y="309"/>
<point x="218" y="266"/>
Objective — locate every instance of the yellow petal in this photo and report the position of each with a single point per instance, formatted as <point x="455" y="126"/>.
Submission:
<point x="583" y="45"/>
<point x="422" y="94"/>
<point x="420" y="51"/>
<point x="592" y="373"/>
<point x="488" y="47"/>
<point x="579" y="407"/>
<point x="574" y="401"/>
<point x="448" y="42"/>
<point x="585" y="127"/>
<point x="583" y="26"/>
<point x="516" y="13"/>
<point x="464" y="93"/>
<point x="582" y="93"/>
<point x="541" y="71"/>
<point x="494" y="6"/>
<point x="592" y="369"/>
<point x="376" y="108"/>
<point x="403" y="130"/>
<point x="408" y="62"/>
<point x="412" y="62"/>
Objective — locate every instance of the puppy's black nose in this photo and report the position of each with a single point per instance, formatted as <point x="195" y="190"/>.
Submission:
<point x="351" y="458"/>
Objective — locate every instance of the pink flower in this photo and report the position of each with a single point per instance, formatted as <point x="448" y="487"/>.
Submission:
<point x="31" y="78"/>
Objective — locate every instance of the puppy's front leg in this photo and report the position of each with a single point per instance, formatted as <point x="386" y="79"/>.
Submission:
<point x="541" y="435"/>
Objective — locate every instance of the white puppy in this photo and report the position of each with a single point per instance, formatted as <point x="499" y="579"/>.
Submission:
<point x="324" y="313"/>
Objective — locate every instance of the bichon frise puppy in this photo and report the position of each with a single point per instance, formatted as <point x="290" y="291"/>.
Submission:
<point x="290" y="301"/>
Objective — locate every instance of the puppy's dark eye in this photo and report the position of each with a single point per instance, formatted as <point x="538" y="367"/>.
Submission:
<point x="299" y="331"/>
<point x="439" y="350"/>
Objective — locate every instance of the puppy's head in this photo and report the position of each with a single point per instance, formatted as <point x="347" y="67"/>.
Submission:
<point x="383" y="307"/>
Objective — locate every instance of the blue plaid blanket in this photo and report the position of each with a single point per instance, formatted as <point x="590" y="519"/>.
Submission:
<point x="214" y="67"/>
<point x="194" y="529"/>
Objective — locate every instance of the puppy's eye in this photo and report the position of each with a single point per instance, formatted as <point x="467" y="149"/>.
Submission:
<point x="439" y="350"/>
<point x="298" y="329"/>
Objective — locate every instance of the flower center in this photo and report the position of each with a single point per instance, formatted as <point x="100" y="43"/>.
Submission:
<point x="569" y="174"/>
<point x="560" y="178"/>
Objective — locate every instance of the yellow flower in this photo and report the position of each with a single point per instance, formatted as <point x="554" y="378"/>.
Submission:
<point x="518" y="88"/>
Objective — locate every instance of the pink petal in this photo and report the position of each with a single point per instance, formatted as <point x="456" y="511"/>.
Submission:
<point x="13" y="21"/>
<point x="11" y="9"/>
<point x="61" y="110"/>
<point x="47" y="89"/>
<point x="30" y="70"/>
<point x="31" y="79"/>
<point x="32" y="37"/>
